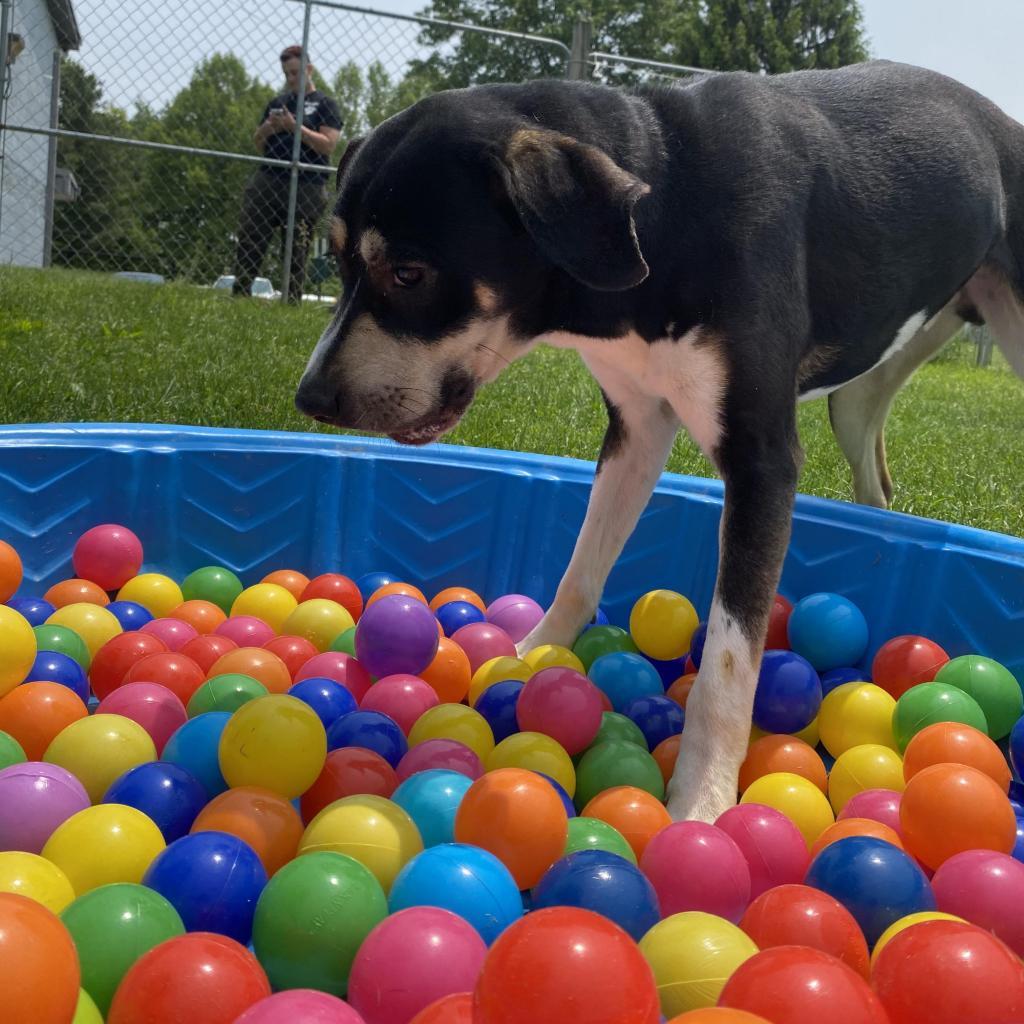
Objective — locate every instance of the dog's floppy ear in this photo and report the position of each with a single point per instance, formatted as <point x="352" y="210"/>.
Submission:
<point x="346" y="158"/>
<point x="577" y="204"/>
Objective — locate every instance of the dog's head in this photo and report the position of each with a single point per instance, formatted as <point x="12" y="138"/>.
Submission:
<point x="453" y="221"/>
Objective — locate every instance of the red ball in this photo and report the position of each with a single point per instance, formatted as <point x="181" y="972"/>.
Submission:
<point x="175" y="670"/>
<point x="905" y="661"/>
<point x="947" y="972"/>
<point x="340" y="667"/>
<point x="348" y="771"/>
<point x="482" y="641"/>
<point x="563" y="704"/>
<point x="294" y="651"/>
<point x="109" y="555"/>
<point x="778" y="625"/>
<point x="204" y="650"/>
<point x="335" y="587"/>
<point x="112" y="661"/>
<point x="402" y="697"/>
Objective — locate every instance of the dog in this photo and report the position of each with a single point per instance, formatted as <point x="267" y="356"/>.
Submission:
<point x="715" y="252"/>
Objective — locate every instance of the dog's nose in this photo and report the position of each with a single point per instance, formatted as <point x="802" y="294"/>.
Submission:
<point x="319" y="401"/>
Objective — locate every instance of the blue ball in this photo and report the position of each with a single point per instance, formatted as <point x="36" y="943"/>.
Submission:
<point x="466" y="880"/>
<point x="55" y="667"/>
<point x="623" y="676"/>
<point x="213" y="880"/>
<point x="1016" y="744"/>
<point x="456" y="614"/>
<point x="828" y="630"/>
<point x="370" y="729"/>
<point x="827" y="759"/>
<point x="371" y="581"/>
<point x="602" y="882"/>
<point x="194" y="747"/>
<point x="1018" y="846"/>
<point x="329" y="699"/>
<point x="570" y="807"/>
<point x="431" y="798"/>
<point x="171" y="796"/>
<point x="130" y="614"/>
<point x="600" y="618"/>
<point x="877" y="882"/>
<point x="700" y="634"/>
<point x="34" y="609"/>
<point x="788" y="693"/>
<point x="837" y="676"/>
<point x="670" y="670"/>
<point x="498" y="706"/>
<point x="657" y="717"/>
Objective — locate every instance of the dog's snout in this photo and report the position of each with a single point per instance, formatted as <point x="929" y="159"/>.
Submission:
<point x="318" y="400"/>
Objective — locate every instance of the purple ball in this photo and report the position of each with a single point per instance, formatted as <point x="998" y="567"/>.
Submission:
<point x="517" y="614"/>
<point x="36" y="797"/>
<point x="396" y="634"/>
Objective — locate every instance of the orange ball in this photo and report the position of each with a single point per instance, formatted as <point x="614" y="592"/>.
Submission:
<point x="855" y="827"/>
<point x="949" y="808"/>
<point x="406" y="589"/>
<point x="261" y="664"/>
<point x="783" y="753"/>
<point x="665" y="754"/>
<point x="679" y="691"/>
<point x="517" y="816"/>
<point x="449" y="673"/>
<point x="634" y="812"/>
<point x="34" y="713"/>
<point x="457" y="594"/>
<point x="11" y="571"/>
<point x="39" y="972"/>
<point x="719" y="1015"/>
<point x="76" y="591"/>
<point x="203" y="616"/>
<point x="294" y="582"/>
<point x="265" y="820"/>
<point x="955" y="743"/>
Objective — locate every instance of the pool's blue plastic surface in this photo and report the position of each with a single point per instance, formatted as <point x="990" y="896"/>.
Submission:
<point x="495" y="521"/>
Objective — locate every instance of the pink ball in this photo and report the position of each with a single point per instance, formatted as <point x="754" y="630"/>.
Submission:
<point x="340" y="667"/>
<point x="403" y="697"/>
<point x="108" y="555"/>
<point x="246" y="630"/>
<point x="174" y="632"/>
<point x="517" y="614"/>
<point x="412" y="959"/>
<point x="987" y="889"/>
<point x="562" y="704"/>
<point x="300" y="1004"/>
<point x="440" y="753"/>
<point x="36" y="797"/>
<point x="877" y="804"/>
<point x="694" y="866"/>
<point x="482" y="641"/>
<point x="157" y="709"/>
<point x="774" y="849"/>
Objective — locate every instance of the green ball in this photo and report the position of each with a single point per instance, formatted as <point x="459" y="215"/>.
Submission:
<point x="112" y="926"/>
<point x="928" y="703"/>
<point x="594" y="834"/>
<point x="226" y="692"/>
<point x="600" y="640"/>
<point x="616" y="726"/>
<point x="64" y="641"/>
<point x="212" y="583"/>
<point x="617" y="763"/>
<point x="312" y="918"/>
<point x="994" y="688"/>
<point x="345" y="642"/>
<point x="11" y="751"/>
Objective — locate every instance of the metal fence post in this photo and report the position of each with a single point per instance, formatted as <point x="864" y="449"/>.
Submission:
<point x="579" y="56"/>
<point x="6" y="20"/>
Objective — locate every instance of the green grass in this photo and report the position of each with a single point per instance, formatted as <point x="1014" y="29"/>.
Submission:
<point x="78" y="347"/>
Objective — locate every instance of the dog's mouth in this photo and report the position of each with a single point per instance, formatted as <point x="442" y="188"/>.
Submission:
<point x="425" y="431"/>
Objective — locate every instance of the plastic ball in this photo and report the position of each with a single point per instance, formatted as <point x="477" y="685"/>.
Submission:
<point x="670" y="671"/>
<point x="483" y="642"/>
<point x="34" y="610"/>
<point x="212" y="583"/>
<point x="828" y="630"/>
<point x="304" y="1004"/>
<point x="329" y="699"/>
<point x="882" y="805"/>
<point x="994" y="688"/>
<point x="906" y="661"/>
<point x="342" y="668"/>
<point x="927" y="703"/>
<point x="112" y="927"/>
<point x="908" y="922"/>
<point x="662" y="624"/>
<point x="267" y="601"/>
<point x="600" y="640"/>
<point x="200" y="977"/>
<point x="515" y="614"/>
<point x="618" y="727"/>
<point x="372" y="731"/>
<point x="450" y="594"/>
<point x="294" y="651"/>
<point x="447" y="754"/>
<point x="109" y="555"/>
<point x="432" y="798"/>
<point x="176" y="671"/>
<point x="52" y="636"/>
<point x="835" y="677"/>
<point x="369" y="583"/>
<point x="658" y="718"/>
<point x="777" y="638"/>
<point x="157" y="593"/>
<point x="298" y="939"/>
<point x="85" y="1011"/>
<point x="396" y="634"/>
<point x="397" y="588"/>
<point x="261" y="664"/>
<point x="346" y="642"/>
<point x="854" y="714"/>
<point x="783" y="753"/>
<point x="17" y="648"/>
<point x="11" y="751"/>
<point x="203" y="616"/>
<point x="455" y="722"/>
<point x="788" y="693"/>
<point x="799" y="800"/>
<point x="226" y="692"/>
<point x="55" y="667"/>
<point x="75" y="591"/>
<point x="594" y="834"/>
<point x="692" y="954"/>
<point x="552" y="656"/>
<point x="856" y="827"/>
<point x="868" y="766"/>
<point x="665" y="755"/>
<point x="535" y="752"/>
<point x="624" y="676"/>
<point x="455" y="614"/>
<point x="36" y="713"/>
<point x="205" y="650"/>
<point x="117" y="656"/>
<point x="454" y="1009"/>
<point x="450" y="673"/>
<point x="175" y="633"/>
<point x="103" y="844"/>
<point x="153" y="706"/>
<point x="245" y="631"/>
<point x="35" y="798"/>
<point x="33" y="876"/>
<point x="946" y="742"/>
<point x="403" y="698"/>
<point x="130" y="614"/>
<point x="292" y="580"/>
<point x="348" y="771"/>
<point x="194" y="747"/>
<point x="166" y="793"/>
<point x="318" y="620"/>
<point x="617" y="763"/>
<point x="634" y="813"/>
<point x="497" y="670"/>
<point x="498" y="705"/>
<point x="335" y="587"/>
<point x="774" y="849"/>
<point x="371" y="829"/>
<point x="11" y="571"/>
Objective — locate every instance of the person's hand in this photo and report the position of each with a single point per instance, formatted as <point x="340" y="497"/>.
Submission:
<point x="284" y="121"/>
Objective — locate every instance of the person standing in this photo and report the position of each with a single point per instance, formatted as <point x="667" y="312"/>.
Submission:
<point x="265" y="203"/>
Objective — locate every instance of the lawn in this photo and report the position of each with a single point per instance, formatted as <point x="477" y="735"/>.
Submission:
<point x="79" y="347"/>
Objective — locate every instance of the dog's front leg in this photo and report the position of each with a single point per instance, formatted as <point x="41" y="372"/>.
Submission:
<point x="640" y="432"/>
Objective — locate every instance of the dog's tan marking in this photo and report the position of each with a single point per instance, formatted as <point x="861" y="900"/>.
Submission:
<point x="728" y="663"/>
<point x="372" y="247"/>
<point x="486" y="298"/>
<point x="339" y="233"/>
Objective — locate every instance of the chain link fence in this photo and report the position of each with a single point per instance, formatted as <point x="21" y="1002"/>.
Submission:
<point x="127" y="132"/>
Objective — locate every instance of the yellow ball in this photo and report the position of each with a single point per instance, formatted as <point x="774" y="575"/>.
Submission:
<point x="33" y="876"/>
<point x="99" y="749"/>
<point x="95" y="625"/>
<point x="454" y="722"/>
<point x="495" y="671"/>
<point x="277" y="742"/>
<point x="319" y="620"/>
<point x="372" y="830"/>
<point x="17" y="648"/>
<point x="868" y="766"/>
<point x="662" y="624"/>
<point x="535" y="752"/>
<point x="692" y="956"/>
<point x="908" y="922"/>
<point x="854" y="714"/>
<point x="157" y="593"/>
<point x="809" y="734"/>
<point x="86" y="1012"/>
<point x="267" y="601"/>
<point x="551" y="655"/>
<point x="797" y="798"/>
<point x="104" y="844"/>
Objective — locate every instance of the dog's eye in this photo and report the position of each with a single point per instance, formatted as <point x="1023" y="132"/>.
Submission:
<point x="408" y="277"/>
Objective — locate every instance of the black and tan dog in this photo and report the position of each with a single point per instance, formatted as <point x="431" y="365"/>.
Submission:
<point x="715" y="252"/>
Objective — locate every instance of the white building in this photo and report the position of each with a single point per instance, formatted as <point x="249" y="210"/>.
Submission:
<point x="38" y="33"/>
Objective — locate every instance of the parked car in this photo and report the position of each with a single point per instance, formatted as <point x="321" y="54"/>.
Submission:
<point x="141" y="276"/>
<point x="262" y="288"/>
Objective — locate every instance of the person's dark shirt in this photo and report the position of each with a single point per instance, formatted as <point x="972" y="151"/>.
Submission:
<point x="320" y="111"/>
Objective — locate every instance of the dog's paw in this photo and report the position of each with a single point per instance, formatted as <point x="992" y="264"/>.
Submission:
<point x="545" y="633"/>
<point x="701" y="800"/>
